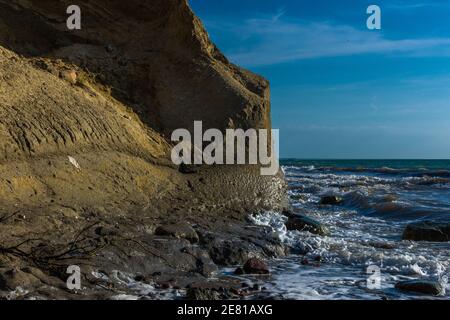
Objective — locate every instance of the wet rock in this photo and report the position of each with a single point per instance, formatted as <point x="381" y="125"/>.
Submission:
<point x="179" y="231"/>
<point x="229" y="252"/>
<point x="304" y="223"/>
<point x="331" y="200"/>
<point x="381" y="245"/>
<point x="140" y="278"/>
<point x="427" y="231"/>
<point x="205" y="266"/>
<point x="202" y="294"/>
<point x="164" y="285"/>
<point x="235" y="244"/>
<point x="318" y="259"/>
<point x="10" y="279"/>
<point x="239" y="271"/>
<point x="421" y="286"/>
<point x="171" y="258"/>
<point x="44" y="278"/>
<point x="256" y="266"/>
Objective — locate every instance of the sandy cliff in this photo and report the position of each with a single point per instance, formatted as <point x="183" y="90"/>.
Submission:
<point x="120" y="85"/>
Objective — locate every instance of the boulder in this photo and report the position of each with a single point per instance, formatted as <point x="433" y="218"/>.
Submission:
<point x="69" y="76"/>
<point x="179" y="231"/>
<point x="421" y="286"/>
<point x="10" y="279"/>
<point x="304" y="223"/>
<point x="202" y="294"/>
<point x="229" y="252"/>
<point x="238" y="243"/>
<point x="427" y="231"/>
<point x="256" y="266"/>
<point x="331" y="200"/>
<point x="239" y="271"/>
<point x="204" y="264"/>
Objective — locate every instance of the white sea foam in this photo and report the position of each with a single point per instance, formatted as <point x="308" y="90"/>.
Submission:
<point x="398" y="197"/>
<point x="135" y="290"/>
<point x="17" y="293"/>
<point x="356" y="242"/>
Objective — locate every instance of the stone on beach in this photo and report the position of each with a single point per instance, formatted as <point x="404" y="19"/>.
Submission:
<point x="421" y="286"/>
<point x="202" y="294"/>
<point x="179" y="231"/>
<point x="304" y="223"/>
<point x="331" y="200"/>
<point x="256" y="266"/>
<point x="427" y="231"/>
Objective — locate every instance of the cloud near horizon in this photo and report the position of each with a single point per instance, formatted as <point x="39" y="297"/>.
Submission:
<point x="278" y="39"/>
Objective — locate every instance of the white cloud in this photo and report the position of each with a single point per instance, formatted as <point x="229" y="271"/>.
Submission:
<point x="405" y="5"/>
<point x="278" y="39"/>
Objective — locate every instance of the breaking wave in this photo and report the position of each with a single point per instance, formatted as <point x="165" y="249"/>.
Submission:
<point x="366" y="229"/>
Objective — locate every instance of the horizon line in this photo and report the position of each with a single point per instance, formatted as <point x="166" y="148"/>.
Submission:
<point x="366" y="159"/>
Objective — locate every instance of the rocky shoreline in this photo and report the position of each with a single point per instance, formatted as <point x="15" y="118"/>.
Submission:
<point x="192" y="255"/>
<point x="124" y="260"/>
<point x="173" y="244"/>
<point x="183" y="263"/>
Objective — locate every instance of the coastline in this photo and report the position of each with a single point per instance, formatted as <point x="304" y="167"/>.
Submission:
<point x="89" y="191"/>
<point x="166" y="248"/>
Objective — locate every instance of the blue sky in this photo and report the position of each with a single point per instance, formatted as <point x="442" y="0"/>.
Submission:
<point x="340" y="90"/>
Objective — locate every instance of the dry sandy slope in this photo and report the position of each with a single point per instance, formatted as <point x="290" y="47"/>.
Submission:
<point x="45" y="119"/>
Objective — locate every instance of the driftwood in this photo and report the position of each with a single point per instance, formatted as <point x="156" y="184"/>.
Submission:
<point x="32" y="250"/>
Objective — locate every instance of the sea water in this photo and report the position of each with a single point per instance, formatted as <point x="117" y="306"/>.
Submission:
<point x="379" y="199"/>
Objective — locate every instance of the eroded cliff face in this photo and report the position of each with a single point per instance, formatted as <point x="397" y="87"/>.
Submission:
<point x="155" y="55"/>
<point x="109" y="95"/>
